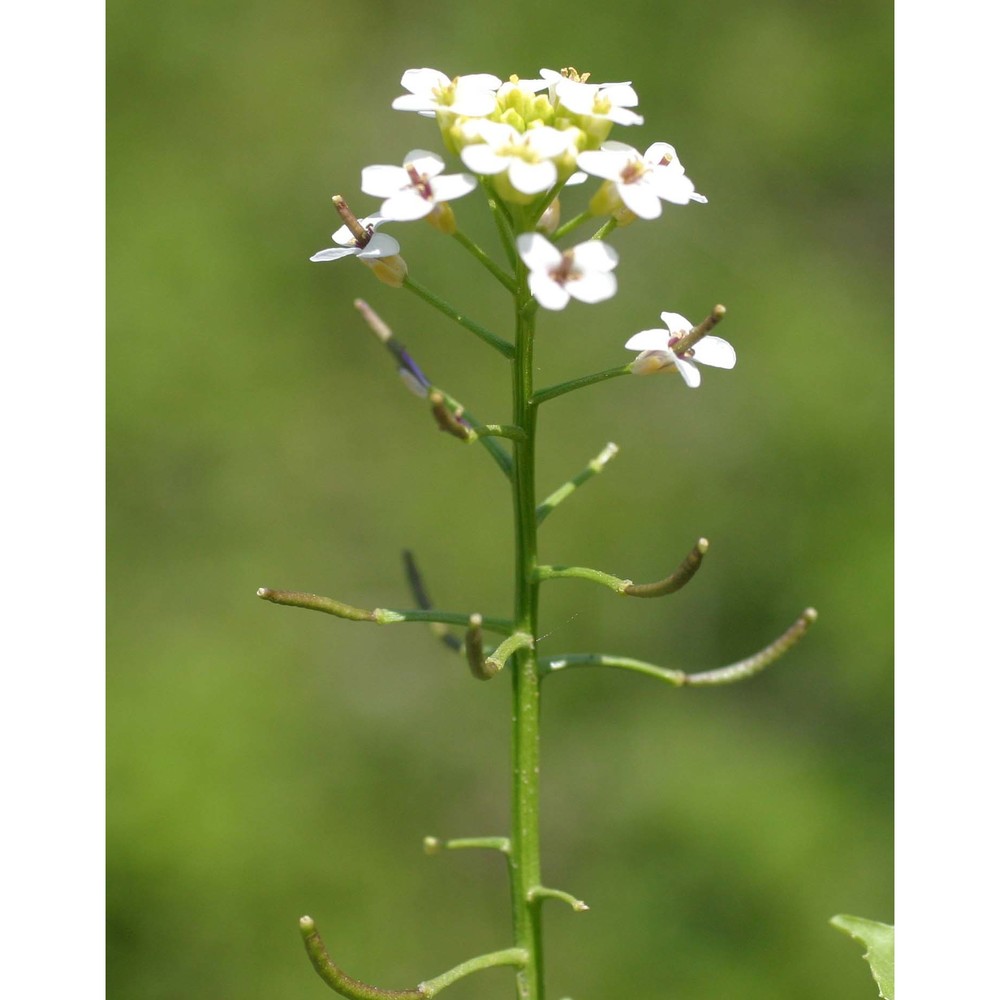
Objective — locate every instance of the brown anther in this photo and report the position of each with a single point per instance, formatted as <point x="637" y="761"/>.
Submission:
<point x="566" y="271"/>
<point x="420" y="181"/>
<point x="632" y="171"/>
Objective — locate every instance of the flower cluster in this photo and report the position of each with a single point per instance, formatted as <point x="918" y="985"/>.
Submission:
<point x="523" y="140"/>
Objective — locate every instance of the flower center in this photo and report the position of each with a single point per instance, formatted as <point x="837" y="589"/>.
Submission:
<point x="565" y="270"/>
<point x="689" y="353"/>
<point x="419" y="182"/>
<point x="632" y="171"/>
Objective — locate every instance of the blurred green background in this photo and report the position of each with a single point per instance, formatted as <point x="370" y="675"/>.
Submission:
<point x="266" y="762"/>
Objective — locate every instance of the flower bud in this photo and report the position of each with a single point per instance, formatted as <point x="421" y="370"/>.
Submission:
<point x="606" y="200"/>
<point x="650" y="362"/>
<point x="624" y="216"/>
<point x="389" y="270"/>
<point x="442" y="218"/>
<point x="549" y="222"/>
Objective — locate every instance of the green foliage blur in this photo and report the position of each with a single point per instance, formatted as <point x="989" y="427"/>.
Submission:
<point x="266" y="762"/>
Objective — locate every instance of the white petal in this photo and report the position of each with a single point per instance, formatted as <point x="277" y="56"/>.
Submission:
<point x="546" y="141"/>
<point x="473" y="103"/>
<point x="578" y="97"/>
<point x="496" y="134"/>
<point x="661" y="151"/>
<point x="623" y="116"/>
<point x="675" y="323"/>
<point x="482" y="159"/>
<point x="405" y="206"/>
<point x="613" y="146"/>
<point x="537" y="252"/>
<point x="671" y="185"/>
<point x="423" y="81"/>
<point x="648" y="340"/>
<point x="415" y="102"/>
<point x="426" y="164"/>
<point x="482" y="81"/>
<point x="716" y="352"/>
<point x="550" y="294"/>
<point x="380" y="245"/>
<point x="532" y="178"/>
<point x="620" y="94"/>
<point x="641" y="199"/>
<point x="382" y="180"/>
<point x="452" y="186"/>
<point x="604" y="163"/>
<point x="334" y="253"/>
<point x="689" y="372"/>
<point x="577" y="178"/>
<point x="594" y="287"/>
<point x="595" y="255"/>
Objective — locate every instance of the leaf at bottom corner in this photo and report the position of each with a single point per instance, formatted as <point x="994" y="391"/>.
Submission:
<point x="879" y="940"/>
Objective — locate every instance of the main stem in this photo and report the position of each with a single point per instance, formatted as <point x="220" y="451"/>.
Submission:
<point x="525" y="864"/>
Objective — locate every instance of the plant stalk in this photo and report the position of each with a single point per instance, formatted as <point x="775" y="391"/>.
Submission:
<point x="525" y="865"/>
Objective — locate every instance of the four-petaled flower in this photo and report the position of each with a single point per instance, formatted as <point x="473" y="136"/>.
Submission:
<point x="658" y="354"/>
<point x="554" y="275"/>
<point x="525" y="157"/>
<point x="642" y="179"/>
<point x="431" y="91"/>
<point x="606" y="100"/>
<point x="414" y="189"/>
<point x="371" y="247"/>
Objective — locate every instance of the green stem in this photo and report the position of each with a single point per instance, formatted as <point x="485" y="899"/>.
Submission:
<point x="486" y="260"/>
<point x="497" y="343"/>
<point x="525" y="862"/>
<point x="593" y="467"/>
<point x="606" y="230"/>
<point x="550" y="392"/>
<point x="568" y="227"/>
<point x="509" y="956"/>
<point x="583" y="573"/>
<point x="382" y="616"/>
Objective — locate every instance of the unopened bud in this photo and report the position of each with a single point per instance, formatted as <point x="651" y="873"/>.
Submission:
<point x="624" y="216"/>
<point x="606" y="200"/>
<point x="650" y="362"/>
<point x="442" y="218"/>
<point x="389" y="270"/>
<point x="549" y="222"/>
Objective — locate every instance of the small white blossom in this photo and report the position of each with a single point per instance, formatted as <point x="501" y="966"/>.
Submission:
<point x="525" y="157"/>
<point x="412" y="190"/>
<point x="431" y="91"/>
<point x="554" y="78"/>
<point x="583" y="272"/>
<point x="375" y="246"/>
<point x="642" y="179"/>
<point x="610" y="100"/>
<point x="658" y="355"/>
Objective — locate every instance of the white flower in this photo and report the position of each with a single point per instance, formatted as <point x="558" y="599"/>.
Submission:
<point x="556" y="77"/>
<point x="583" y="272"/>
<point x="375" y="246"/>
<point x="642" y="179"/>
<point x="657" y="350"/>
<point x="431" y="91"/>
<point x="609" y="100"/>
<point x="412" y="190"/>
<point x="525" y="157"/>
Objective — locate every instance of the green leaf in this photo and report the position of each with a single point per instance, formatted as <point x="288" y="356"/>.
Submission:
<point x="880" y="942"/>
